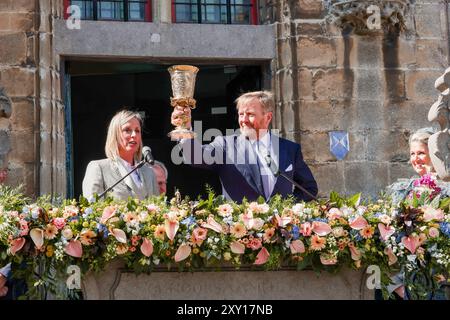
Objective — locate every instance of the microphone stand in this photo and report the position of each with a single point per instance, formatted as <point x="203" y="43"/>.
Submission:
<point x="276" y="172"/>
<point x="140" y="164"/>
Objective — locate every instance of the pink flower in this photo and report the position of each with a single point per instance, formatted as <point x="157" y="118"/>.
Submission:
<point x="23" y="228"/>
<point x="433" y="232"/>
<point x="334" y="213"/>
<point x="59" y="223"/>
<point x="306" y="229"/>
<point x="225" y="210"/>
<point x="254" y="244"/>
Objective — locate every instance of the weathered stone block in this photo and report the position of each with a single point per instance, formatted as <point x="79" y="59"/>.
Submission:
<point x="431" y="54"/>
<point x="366" y="177"/>
<point x="45" y="49"/>
<point x="13" y="48"/>
<point x="329" y="177"/>
<point x="23" y="5"/>
<point x="315" y="147"/>
<point x="46" y="148"/>
<point x="428" y="20"/>
<point x="286" y="84"/>
<point x="367" y="114"/>
<point x="400" y="170"/>
<point x="305" y="84"/>
<point x="358" y="146"/>
<point x="45" y="115"/>
<point x="22" y="147"/>
<point x="316" y="52"/>
<point x="45" y="175"/>
<point x="45" y="78"/>
<point x="369" y="53"/>
<point x="20" y="21"/>
<point x="406" y="52"/>
<point x="407" y="114"/>
<point x="306" y="9"/>
<point x="5" y="142"/>
<point x="323" y="115"/>
<point x="369" y="84"/>
<point x="384" y="145"/>
<point x="5" y="124"/>
<point x="22" y="117"/>
<point x="346" y="52"/>
<point x="333" y="84"/>
<point x="18" y="82"/>
<point x="420" y="85"/>
<point x="394" y="84"/>
<point x="310" y="28"/>
<point x="284" y="55"/>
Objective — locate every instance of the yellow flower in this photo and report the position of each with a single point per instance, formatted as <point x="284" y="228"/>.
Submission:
<point x="195" y="251"/>
<point x="85" y="224"/>
<point x="227" y="256"/>
<point x="50" y="251"/>
<point x="93" y="225"/>
<point x="202" y="254"/>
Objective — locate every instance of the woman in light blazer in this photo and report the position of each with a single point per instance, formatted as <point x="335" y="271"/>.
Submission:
<point x="123" y="149"/>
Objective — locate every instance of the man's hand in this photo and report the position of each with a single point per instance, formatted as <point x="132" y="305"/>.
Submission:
<point x="181" y="116"/>
<point x="3" y="287"/>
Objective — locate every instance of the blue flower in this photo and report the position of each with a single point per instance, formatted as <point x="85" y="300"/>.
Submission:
<point x="320" y="219"/>
<point x="102" y="228"/>
<point x="295" y="232"/>
<point x="188" y="221"/>
<point x="445" y="228"/>
<point x="87" y="212"/>
<point x="354" y="234"/>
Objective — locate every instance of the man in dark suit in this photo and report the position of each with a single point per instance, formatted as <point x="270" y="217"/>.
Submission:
<point x="245" y="161"/>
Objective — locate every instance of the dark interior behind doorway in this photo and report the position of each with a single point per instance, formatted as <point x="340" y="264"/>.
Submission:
<point x="99" y="90"/>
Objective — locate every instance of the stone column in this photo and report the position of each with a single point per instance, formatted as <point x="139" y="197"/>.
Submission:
<point x="162" y="11"/>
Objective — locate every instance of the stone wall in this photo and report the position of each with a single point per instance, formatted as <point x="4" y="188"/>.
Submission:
<point x="18" y="94"/>
<point x="376" y="86"/>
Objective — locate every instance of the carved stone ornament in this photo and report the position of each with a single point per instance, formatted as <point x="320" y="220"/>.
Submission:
<point x="438" y="143"/>
<point x="370" y="16"/>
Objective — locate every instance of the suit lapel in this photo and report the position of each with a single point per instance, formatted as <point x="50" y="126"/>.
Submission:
<point x="249" y="169"/>
<point x="280" y="157"/>
<point x="121" y="171"/>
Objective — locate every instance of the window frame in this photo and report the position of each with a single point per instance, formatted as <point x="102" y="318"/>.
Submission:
<point x="253" y="13"/>
<point x="147" y="11"/>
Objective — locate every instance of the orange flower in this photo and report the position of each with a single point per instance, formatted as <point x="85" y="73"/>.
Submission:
<point x="159" y="232"/>
<point x="268" y="234"/>
<point x="86" y="237"/>
<point x="317" y="243"/>
<point x="238" y="230"/>
<point x="367" y="232"/>
<point x="50" y="231"/>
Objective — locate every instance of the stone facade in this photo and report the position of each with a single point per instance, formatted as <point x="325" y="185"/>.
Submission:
<point x="378" y="86"/>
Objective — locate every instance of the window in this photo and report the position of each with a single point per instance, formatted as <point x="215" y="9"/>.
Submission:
<point x="214" y="11"/>
<point x="120" y="10"/>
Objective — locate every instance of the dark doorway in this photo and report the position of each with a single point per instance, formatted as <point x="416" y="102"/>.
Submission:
<point x="99" y="90"/>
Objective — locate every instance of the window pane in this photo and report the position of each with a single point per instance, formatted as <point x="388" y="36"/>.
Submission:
<point x="86" y="8"/>
<point x="241" y="11"/>
<point x="186" y="12"/>
<point x="110" y="10"/>
<point x="136" y="10"/>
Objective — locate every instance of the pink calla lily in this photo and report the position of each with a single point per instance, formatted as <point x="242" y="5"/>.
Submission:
<point x="321" y="228"/>
<point x="16" y="245"/>
<point x="37" y="235"/>
<point x="108" y="212"/>
<point x="411" y="243"/>
<point x="212" y="224"/>
<point x="355" y="253"/>
<point x="262" y="257"/>
<point x="283" y="221"/>
<point x="74" y="249"/>
<point x="237" y="247"/>
<point x="328" y="260"/>
<point x="358" y="223"/>
<point x="120" y="235"/>
<point x="147" y="247"/>
<point x="182" y="253"/>
<point x="171" y="228"/>
<point x="297" y="246"/>
<point x="385" y="232"/>
<point x="391" y="256"/>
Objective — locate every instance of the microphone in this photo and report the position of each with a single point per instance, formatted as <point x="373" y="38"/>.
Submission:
<point x="147" y="155"/>
<point x="272" y="165"/>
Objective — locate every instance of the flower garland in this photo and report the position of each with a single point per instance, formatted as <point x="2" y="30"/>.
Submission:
<point x="324" y="235"/>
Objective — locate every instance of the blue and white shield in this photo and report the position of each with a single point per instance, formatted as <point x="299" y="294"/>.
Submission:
<point x="339" y="144"/>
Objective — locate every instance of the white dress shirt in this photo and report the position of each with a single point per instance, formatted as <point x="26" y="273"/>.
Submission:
<point x="264" y="148"/>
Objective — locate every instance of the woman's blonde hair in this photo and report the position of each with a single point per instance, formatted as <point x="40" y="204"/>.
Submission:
<point x="422" y="135"/>
<point x="114" y="131"/>
<point x="264" y="97"/>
